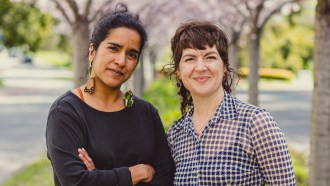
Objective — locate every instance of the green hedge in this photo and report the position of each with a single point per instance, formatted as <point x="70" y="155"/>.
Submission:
<point x="163" y="95"/>
<point x="270" y="73"/>
<point x="300" y="167"/>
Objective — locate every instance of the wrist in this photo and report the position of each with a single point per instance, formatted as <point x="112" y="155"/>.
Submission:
<point x="137" y="174"/>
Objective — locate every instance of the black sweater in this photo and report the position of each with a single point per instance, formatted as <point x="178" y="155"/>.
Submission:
<point x="114" y="140"/>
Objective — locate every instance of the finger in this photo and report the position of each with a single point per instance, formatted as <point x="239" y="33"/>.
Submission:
<point x="83" y="158"/>
<point x="89" y="166"/>
<point x="85" y="153"/>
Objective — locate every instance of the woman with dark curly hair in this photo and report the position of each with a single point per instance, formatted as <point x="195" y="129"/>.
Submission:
<point x="219" y="140"/>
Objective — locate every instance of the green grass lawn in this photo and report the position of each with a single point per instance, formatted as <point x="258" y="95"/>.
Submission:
<point x="38" y="173"/>
<point x="55" y="58"/>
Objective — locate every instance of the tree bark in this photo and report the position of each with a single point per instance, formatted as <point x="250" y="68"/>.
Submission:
<point x="234" y="58"/>
<point x="148" y="68"/>
<point x="320" y="135"/>
<point x="80" y="52"/>
<point x="153" y="60"/>
<point x="136" y="83"/>
<point x="254" y="50"/>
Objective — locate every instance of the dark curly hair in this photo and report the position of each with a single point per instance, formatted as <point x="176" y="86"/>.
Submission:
<point x="121" y="17"/>
<point x="197" y="34"/>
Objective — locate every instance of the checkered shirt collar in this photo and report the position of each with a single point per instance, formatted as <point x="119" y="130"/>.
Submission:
<point x="226" y="110"/>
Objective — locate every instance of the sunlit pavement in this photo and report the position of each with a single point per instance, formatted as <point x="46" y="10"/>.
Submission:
<point x="30" y="89"/>
<point x="25" y="99"/>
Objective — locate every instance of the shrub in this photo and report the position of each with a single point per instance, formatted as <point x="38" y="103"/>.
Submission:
<point x="163" y="95"/>
<point x="300" y="168"/>
<point x="270" y="73"/>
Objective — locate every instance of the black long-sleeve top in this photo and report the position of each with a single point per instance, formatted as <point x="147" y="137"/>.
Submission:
<point x="114" y="140"/>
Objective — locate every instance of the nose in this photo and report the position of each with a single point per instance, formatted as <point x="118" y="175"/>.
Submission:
<point x="121" y="59"/>
<point x="200" y="66"/>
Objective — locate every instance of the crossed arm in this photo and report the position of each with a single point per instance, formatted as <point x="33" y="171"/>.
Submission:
<point x="140" y="172"/>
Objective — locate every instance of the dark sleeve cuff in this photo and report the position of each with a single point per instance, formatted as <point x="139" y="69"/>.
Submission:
<point x="124" y="176"/>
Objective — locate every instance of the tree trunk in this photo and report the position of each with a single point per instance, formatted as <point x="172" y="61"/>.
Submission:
<point x="234" y="58"/>
<point x="254" y="50"/>
<point x="153" y="60"/>
<point x="138" y="79"/>
<point x="147" y="67"/>
<point x="320" y="135"/>
<point x="80" y="52"/>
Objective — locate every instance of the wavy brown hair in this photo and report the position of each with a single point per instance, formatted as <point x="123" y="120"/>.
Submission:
<point x="197" y="34"/>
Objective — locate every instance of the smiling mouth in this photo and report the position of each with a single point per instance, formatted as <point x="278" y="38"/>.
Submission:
<point x="201" y="79"/>
<point x="116" y="72"/>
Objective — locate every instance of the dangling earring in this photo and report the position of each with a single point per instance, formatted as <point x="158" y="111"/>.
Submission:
<point x="91" y="82"/>
<point x="128" y="99"/>
<point x="178" y="84"/>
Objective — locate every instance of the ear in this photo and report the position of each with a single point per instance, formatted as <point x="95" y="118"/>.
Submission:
<point x="91" y="52"/>
<point x="178" y="73"/>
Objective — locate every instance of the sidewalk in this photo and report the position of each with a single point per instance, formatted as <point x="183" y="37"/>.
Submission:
<point x="25" y="99"/>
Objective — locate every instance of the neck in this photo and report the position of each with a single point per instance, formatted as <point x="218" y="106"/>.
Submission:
<point x="205" y="106"/>
<point x="106" y="99"/>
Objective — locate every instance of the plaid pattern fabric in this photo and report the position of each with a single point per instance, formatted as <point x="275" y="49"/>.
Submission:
<point x="240" y="145"/>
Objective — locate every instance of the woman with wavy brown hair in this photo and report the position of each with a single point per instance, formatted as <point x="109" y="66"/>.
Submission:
<point x="219" y="140"/>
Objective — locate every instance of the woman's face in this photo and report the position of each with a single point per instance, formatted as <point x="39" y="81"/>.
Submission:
<point x="116" y="57"/>
<point x="201" y="71"/>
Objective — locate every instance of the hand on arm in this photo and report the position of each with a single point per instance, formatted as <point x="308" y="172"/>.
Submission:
<point x="83" y="155"/>
<point x="140" y="172"/>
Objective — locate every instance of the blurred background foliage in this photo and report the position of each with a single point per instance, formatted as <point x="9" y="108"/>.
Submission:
<point x="287" y="42"/>
<point x="24" y="28"/>
<point x="163" y="95"/>
<point x="24" y="25"/>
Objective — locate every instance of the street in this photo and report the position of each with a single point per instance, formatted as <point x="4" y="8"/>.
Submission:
<point x="25" y="99"/>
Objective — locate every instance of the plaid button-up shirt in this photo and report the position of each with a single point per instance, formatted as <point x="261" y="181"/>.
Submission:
<point x="240" y="145"/>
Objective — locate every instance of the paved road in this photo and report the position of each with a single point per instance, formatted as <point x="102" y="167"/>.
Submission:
<point x="24" y="103"/>
<point x="30" y="89"/>
<point x="291" y="110"/>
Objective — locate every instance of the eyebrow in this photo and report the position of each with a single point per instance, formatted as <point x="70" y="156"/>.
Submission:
<point x="120" y="46"/>
<point x="211" y="52"/>
<point x="115" y="44"/>
<point x="188" y="55"/>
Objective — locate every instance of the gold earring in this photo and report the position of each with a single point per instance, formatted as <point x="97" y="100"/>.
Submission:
<point x="91" y="82"/>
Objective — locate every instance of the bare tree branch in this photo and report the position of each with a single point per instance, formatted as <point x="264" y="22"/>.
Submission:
<point x="73" y="5"/>
<point x="87" y="8"/>
<point x="248" y="7"/>
<point x="61" y="9"/>
<point x="274" y="9"/>
<point x="103" y="8"/>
